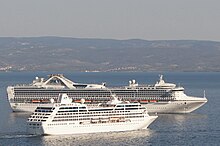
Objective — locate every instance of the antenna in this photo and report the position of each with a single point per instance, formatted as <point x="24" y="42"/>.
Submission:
<point x="204" y="94"/>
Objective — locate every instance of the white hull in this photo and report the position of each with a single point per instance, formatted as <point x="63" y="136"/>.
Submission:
<point x="76" y="128"/>
<point x="173" y="107"/>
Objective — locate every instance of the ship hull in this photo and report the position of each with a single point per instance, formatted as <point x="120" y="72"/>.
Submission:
<point x="169" y="107"/>
<point x="76" y="128"/>
<point x="174" y="107"/>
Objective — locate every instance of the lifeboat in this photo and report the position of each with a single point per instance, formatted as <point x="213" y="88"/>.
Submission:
<point x="45" y="101"/>
<point x="77" y="101"/>
<point x="143" y="101"/>
<point x="35" y="101"/>
<point x="114" y="119"/>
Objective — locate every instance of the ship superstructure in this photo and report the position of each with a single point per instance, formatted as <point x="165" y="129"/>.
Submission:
<point x="67" y="117"/>
<point x="161" y="97"/>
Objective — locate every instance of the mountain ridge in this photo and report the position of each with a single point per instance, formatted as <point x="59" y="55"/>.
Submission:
<point x="85" y="54"/>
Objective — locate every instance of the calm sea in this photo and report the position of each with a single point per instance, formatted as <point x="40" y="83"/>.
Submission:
<point x="202" y="127"/>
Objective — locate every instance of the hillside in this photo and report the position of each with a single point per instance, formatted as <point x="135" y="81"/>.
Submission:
<point x="72" y="54"/>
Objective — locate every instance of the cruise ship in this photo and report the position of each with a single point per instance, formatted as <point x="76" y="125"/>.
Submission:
<point x="160" y="97"/>
<point x="67" y="117"/>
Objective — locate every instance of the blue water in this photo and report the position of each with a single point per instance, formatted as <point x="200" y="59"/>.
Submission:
<point x="202" y="127"/>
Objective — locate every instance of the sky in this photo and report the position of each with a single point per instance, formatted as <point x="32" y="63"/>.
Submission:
<point x="112" y="19"/>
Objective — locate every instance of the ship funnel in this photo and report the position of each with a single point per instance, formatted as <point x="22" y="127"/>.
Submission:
<point x="132" y="83"/>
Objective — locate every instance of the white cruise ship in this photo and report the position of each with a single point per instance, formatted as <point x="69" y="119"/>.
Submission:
<point x="67" y="117"/>
<point x="161" y="97"/>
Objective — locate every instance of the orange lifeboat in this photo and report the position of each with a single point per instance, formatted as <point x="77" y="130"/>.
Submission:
<point x="36" y="101"/>
<point x="143" y="101"/>
<point x="77" y="101"/>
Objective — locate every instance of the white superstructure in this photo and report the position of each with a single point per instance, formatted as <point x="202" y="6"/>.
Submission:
<point x="161" y="97"/>
<point x="75" y="118"/>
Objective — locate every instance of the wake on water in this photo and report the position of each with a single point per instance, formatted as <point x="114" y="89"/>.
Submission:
<point x="16" y="135"/>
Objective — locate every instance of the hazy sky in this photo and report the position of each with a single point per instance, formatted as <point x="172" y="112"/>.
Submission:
<point x="116" y="19"/>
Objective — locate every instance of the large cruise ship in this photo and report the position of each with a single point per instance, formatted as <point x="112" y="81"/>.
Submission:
<point x="67" y="117"/>
<point x="161" y="97"/>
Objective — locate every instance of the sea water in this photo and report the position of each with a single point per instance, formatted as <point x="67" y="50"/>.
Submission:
<point x="201" y="127"/>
